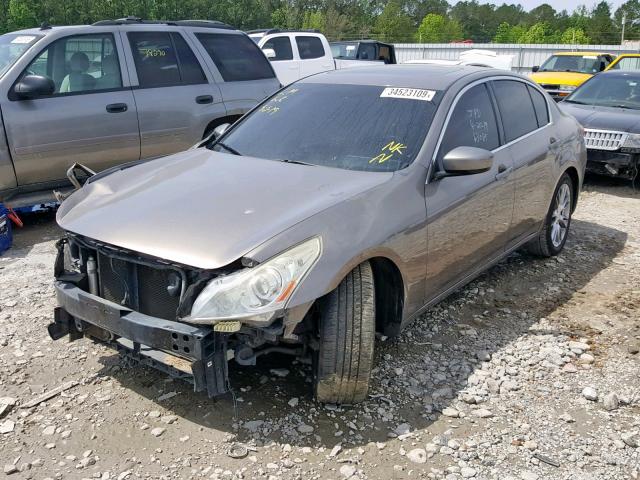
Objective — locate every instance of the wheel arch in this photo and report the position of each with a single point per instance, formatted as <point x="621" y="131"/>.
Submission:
<point x="390" y="295"/>
<point x="575" y="180"/>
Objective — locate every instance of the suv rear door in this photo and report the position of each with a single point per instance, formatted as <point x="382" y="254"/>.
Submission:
<point x="243" y="73"/>
<point x="90" y="118"/>
<point x="176" y="97"/>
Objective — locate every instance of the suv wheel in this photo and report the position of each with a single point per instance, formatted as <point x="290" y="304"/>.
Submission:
<point x="346" y="333"/>
<point x="551" y="239"/>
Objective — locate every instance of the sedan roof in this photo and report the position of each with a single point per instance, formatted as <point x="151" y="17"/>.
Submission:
<point x="438" y="77"/>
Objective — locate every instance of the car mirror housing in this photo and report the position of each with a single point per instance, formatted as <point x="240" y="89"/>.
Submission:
<point x="535" y="69"/>
<point x="34" y="86"/>
<point x="467" y="161"/>
<point x="270" y="53"/>
<point x="219" y="130"/>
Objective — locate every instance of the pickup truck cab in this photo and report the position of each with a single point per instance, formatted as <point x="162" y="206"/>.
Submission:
<point x="300" y="53"/>
<point x="363" y="50"/>
<point x="294" y="54"/>
<point x="116" y="92"/>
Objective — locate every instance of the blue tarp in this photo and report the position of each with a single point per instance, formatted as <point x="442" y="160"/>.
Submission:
<point x="6" y="235"/>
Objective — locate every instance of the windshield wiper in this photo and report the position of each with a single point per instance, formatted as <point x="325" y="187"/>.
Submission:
<point x="578" y="102"/>
<point x="297" y="162"/>
<point x="229" y="149"/>
<point x="626" y="107"/>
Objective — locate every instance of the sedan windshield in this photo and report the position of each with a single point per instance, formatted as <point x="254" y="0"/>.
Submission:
<point x="607" y="91"/>
<point x="354" y="127"/>
<point x="12" y="46"/>
<point x="572" y="63"/>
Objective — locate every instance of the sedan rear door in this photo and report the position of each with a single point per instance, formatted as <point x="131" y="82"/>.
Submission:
<point x="532" y="144"/>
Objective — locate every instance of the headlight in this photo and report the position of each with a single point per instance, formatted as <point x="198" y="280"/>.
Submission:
<point x="632" y="141"/>
<point x="567" y="88"/>
<point x="256" y="293"/>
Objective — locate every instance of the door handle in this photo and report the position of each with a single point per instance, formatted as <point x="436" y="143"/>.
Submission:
<point x="503" y="172"/>
<point x="203" y="99"/>
<point x="117" y="107"/>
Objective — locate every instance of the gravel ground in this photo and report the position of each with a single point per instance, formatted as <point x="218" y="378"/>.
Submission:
<point x="530" y="372"/>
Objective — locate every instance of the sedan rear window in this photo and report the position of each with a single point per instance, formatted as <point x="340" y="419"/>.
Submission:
<point x="354" y="127"/>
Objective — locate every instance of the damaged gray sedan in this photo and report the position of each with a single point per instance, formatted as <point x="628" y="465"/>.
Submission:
<point x="344" y="205"/>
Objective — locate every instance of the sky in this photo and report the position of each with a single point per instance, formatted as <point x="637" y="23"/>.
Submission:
<point x="559" y="5"/>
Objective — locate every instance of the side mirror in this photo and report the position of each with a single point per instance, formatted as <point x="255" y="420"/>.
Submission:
<point x="213" y="135"/>
<point x="270" y="53"/>
<point x="466" y="161"/>
<point x="603" y="66"/>
<point x="535" y="69"/>
<point x="34" y="86"/>
<point x="220" y="129"/>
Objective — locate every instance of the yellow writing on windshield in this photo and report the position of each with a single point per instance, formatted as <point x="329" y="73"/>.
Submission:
<point x="388" y="151"/>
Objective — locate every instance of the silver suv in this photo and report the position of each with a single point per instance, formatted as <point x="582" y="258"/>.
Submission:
<point x="115" y="92"/>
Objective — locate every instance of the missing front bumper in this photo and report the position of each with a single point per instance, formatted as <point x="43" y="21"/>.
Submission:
<point x="197" y="354"/>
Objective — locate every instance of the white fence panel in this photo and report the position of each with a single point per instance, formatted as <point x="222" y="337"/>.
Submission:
<point x="524" y="56"/>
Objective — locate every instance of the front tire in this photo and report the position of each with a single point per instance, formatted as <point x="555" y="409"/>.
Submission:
<point x="346" y="333"/>
<point x="551" y="239"/>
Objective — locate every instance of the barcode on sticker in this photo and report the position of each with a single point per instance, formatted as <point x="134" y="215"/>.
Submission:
<point x="410" y="93"/>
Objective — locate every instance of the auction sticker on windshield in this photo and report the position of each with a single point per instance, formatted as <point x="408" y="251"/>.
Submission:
<point x="409" y="93"/>
<point x="23" y="39"/>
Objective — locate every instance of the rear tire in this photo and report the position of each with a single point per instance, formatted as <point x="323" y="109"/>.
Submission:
<point x="551" y="239"/>
<point x="347" y="335"/>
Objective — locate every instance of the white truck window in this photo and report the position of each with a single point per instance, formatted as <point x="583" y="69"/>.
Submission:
<point x="309" y="47"/>
<point x="282" y="47"/>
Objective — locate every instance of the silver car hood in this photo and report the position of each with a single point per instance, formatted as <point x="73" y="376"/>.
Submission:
<point x="206" y="209"/>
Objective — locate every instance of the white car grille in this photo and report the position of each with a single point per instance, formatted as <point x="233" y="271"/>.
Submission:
<point x="604" y="139"/>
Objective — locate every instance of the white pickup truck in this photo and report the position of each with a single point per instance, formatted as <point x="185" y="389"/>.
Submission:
<point x="298" y="54"/>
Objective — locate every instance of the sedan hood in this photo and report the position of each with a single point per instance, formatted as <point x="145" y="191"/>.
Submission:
<point x="604" y="118"/>
<point x="206" y="209"/>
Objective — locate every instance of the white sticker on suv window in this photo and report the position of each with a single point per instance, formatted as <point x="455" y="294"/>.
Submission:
<point x="409" y="93"/>
<point x="23" y="39"/>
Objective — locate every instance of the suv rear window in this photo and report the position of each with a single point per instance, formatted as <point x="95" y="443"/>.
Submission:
<point x="236" y="57"/>
<point x="164" y="59"/>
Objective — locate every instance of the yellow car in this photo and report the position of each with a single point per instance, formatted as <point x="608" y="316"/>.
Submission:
<point x="563" y="72"/>
<point x="626" y="61"/>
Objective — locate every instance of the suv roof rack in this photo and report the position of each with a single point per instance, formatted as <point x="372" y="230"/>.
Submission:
<point x="179" y="23"/>
<point x="269" y="31"/>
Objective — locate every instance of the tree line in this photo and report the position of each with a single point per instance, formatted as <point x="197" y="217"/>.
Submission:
<point x="424" y="21"/>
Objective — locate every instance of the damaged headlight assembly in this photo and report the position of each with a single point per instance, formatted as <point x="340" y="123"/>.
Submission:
<point x="632" y="142"/>
<point x="256" y="294"/>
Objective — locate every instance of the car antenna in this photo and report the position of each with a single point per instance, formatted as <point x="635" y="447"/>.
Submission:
<point x="45" y="26"/>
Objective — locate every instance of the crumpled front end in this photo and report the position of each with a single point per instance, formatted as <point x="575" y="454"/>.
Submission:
<point x="136" y="305"/>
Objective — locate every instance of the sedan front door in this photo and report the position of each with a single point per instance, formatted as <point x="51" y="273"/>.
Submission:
<point x="468" y="215"/>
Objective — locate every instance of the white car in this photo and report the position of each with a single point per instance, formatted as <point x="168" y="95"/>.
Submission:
<point x="475" y="57"/>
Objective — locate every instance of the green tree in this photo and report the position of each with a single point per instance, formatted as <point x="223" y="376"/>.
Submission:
<point x="393" y="24"/>
<point x="601" y="27"/>
<point x="631" y="9"/>
<point x="537" y="33"/>
<point x="575" y="36"/>
<point x="437" y="29"/>
<point x="314" y="21"/>
<point x="509" y="34"/>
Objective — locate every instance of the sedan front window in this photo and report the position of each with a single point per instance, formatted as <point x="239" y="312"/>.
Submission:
<point x="354" y="127"/>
